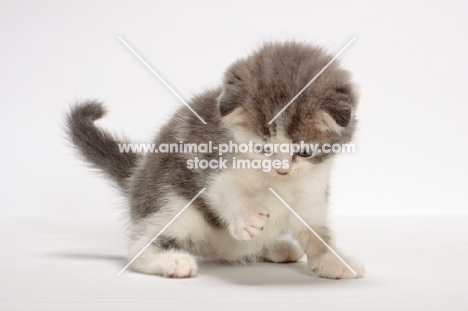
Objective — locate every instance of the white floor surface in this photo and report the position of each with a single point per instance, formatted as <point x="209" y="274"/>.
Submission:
<point x="412" y="263"/>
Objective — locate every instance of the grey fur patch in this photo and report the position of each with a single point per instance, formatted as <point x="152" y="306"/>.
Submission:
<point x="167" y="243"/>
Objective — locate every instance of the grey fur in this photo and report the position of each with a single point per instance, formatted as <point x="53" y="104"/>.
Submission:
<point x="166" y="243"/>
<point x="96" y="146"/>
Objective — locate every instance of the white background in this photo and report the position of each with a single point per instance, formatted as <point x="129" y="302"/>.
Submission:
<point x="61" y="225"/>
<point x="408" y="59"/>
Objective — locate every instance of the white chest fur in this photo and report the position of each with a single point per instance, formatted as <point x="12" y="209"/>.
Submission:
<point x="234" y="193"/>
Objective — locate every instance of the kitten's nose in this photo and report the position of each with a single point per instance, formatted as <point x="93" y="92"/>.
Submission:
<point x="286" y="162"/>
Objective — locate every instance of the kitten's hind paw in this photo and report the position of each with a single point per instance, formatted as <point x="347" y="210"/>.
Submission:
<point x="249" y="226"/>
<point x="282" y="251"/>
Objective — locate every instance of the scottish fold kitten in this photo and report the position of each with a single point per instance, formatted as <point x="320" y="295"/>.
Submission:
<point x="237" y="218"/>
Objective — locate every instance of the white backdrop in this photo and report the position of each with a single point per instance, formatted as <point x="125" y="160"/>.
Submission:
<point x="410" y="61"/>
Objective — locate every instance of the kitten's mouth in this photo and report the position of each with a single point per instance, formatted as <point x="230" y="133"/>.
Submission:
<point x="282" y="173"/>
<point x="286" y="160"/>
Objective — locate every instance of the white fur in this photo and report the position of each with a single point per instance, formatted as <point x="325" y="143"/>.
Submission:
<point x="249" y="224"/>
<point x="166" y="263"/>
<point x="238" y="195"/>
<point x="283" y="251"/>
<point x="328" y="266"/>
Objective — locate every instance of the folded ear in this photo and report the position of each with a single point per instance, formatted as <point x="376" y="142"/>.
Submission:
<point x="228" y="101"/>
<point x="232" y="95"/>
<point x="340" y="102"/>
<point x="341" y="113"/>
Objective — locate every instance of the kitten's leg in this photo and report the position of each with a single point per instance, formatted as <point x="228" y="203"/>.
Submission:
<point x="319" y="258"/>
<point x="163" y="257"/>
<point x="282" y="251"/>
<point x="170" y="254"/>
<point x="236" y="205"/>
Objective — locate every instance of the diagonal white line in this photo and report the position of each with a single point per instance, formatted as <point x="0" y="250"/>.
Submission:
<point x="313" y="231"/>
<point x="161" y="79"/>
<point x="162" y="230"/>
<point x="313" y="79"/>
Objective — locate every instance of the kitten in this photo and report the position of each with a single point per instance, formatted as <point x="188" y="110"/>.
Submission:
<point x="237" y="218"/>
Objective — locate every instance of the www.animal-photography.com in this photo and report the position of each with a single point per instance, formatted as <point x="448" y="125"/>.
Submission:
<point x="255" y="155"/>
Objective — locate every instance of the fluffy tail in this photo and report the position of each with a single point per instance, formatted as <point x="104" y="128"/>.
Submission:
<point x="97" y="146"/>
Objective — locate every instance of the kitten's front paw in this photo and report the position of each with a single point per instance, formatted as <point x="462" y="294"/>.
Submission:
<point x="249" y="226"/>
<point x="329" y="266"/>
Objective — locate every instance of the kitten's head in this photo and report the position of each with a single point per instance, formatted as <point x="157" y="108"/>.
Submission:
<point x="257" y="88"/>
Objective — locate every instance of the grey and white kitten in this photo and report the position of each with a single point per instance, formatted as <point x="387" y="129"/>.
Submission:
<point x="237" y="218"/>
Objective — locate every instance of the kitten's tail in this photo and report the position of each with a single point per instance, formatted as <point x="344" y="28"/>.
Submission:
<point x="97" y="146"/>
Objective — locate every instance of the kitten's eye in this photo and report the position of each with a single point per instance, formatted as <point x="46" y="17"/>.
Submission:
<point x="305" y="152"/>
